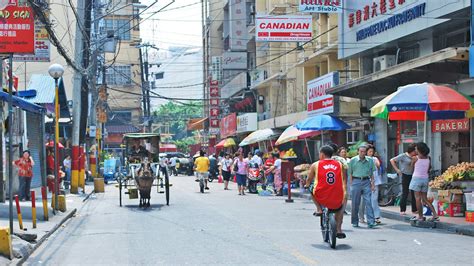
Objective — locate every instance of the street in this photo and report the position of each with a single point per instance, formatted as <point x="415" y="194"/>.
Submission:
<point x="221" y="227"/>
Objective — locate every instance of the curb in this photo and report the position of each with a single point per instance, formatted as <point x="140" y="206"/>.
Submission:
<point x="466" y="230"/>
<point x="46" y="236"/>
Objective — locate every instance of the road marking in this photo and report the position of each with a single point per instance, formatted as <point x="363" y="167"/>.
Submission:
<point x="417" y="242"/>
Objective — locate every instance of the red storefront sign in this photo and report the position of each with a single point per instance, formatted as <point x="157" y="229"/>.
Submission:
<point x="228" y="125"/>
<point x="454" y="125"/>
<point x="17" y="30"/>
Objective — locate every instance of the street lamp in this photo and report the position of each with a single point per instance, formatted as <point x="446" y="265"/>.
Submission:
<point x="56" y="71"/>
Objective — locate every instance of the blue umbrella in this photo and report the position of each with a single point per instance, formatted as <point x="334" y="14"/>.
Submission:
<point x="322" y="122"/>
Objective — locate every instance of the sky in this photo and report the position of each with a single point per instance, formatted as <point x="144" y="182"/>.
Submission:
<point x="180" y="25"/>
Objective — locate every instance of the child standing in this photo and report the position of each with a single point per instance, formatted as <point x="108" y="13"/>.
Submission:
<point x="419" y="182"/>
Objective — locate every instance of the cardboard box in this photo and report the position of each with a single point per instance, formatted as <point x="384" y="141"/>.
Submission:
<point x="450" y="209"/>
<point x="470" y="216"/>
<point x="450" y="196"/>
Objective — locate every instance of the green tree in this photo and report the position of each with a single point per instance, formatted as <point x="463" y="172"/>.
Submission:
<point x="177" y="116"/>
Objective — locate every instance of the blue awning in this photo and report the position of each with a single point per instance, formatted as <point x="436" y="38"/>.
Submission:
<point x="20" y="103"/>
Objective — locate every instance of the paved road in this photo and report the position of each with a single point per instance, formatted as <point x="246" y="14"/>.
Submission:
<point x="221" y="227"/>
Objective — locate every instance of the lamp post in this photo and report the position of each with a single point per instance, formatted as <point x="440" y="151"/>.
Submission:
<point x="56" y="71"/>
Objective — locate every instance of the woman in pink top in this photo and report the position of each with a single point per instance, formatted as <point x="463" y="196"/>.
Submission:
<point x="240" y="169"/>
<point x="419" y="182"/>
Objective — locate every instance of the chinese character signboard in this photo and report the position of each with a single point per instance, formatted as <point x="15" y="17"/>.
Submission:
<point x="321" y="6"/>
<point x="454" y="125"/>
<point x="284" y="28"/>
<point x="238" y="25"/>
<point x="42" y="46"/>
<point x="318" y="101"/>
<point x="214" y="110"/>
<point x="364" y="24"/>
<point x="17" y="30"/>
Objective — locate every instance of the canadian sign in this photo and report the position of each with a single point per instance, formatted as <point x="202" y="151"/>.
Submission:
<point x="247" y="122"/>
<point x="318" y="101"/>
<point x="321" y="6"/>
<point x="283" y="28"/>
<point x="17" y="30"/>
<point x="455" y="125"/>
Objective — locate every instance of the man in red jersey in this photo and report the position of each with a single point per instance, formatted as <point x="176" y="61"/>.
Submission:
<point x="327" y="186"/>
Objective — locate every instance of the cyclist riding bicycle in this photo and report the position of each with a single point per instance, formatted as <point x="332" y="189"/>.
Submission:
<point x="326" y="183"/>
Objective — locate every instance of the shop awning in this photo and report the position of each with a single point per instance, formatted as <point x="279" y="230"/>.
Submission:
<point x="226" y="143"/>
<point x="45" y="88"/>
<point x="168" y="147"/>
<point x="443" y="66"/>
<point x="197" y="123"/>
<point x="258" y="136"/>
<point x="21" y="103"/>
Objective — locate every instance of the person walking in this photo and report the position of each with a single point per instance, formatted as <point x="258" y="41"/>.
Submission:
<point x="240" y="168"/>
<point x="67" y="169"/>
<point x="361" y="174"/>
<point x="419" y="182"/>
<point x="25" y="173"/>
<point x="225" y="169"/>
<point x="377" y="182"/>
<point x="402" y="165"/>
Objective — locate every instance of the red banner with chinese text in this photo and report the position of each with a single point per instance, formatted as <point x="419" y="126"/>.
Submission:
<point x="17" y="30"/>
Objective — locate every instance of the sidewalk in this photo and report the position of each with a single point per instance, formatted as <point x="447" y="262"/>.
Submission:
<point x="452" y="224"/>
<point x="21" y="248"/>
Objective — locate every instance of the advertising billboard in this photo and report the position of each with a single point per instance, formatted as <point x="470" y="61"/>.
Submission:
<point x="17" y="30"/>
<point x="318" y="101"/>
<point x="320" y="6"/>
<point x="283" y="28"/>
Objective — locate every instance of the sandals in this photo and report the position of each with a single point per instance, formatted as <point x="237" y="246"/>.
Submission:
<point x="377" y="221"/>
<point x="414" y="218"/>
<point x="317" y="214"/>
<point x="341" y="235"/>
<point x="434" y="219"/>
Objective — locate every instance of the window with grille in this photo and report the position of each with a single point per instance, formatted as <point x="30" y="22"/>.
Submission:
<point x="352" y="136"/>
<point x="119" y="75"/>
<point x="121" y="28"/>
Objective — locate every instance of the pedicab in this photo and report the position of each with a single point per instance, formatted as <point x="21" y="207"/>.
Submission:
<point x="143" y="168"/>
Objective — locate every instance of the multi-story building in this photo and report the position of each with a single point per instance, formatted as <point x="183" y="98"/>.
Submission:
<point x="388" y="44"/>
<point x="123" y="74"/>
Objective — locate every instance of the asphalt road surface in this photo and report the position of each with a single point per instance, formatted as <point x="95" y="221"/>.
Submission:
<point x="221" y="227"/>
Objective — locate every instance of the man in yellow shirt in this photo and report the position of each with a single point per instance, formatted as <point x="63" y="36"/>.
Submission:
<point x="201" y="166"/>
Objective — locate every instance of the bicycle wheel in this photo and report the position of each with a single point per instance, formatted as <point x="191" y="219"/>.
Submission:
<point x="332" y="230"/>
<point x="324" y="225"/>
<point x="167" y="189"/>
<point x="387" y="196"/>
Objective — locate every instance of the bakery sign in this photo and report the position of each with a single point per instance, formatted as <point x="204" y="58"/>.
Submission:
<point x="320" y="6"/>
<point x="452" y="125"/>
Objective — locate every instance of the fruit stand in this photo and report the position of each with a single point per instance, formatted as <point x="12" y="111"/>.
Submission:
<point x="453" y="191"/>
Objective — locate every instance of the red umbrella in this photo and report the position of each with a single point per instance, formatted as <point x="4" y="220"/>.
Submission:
<point x="50" y="144"/>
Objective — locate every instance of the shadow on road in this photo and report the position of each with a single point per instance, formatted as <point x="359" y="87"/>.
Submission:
<point x="327" y="247"/>
<point x="153" y="207"/>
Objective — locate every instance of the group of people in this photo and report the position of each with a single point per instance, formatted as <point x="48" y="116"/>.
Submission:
<point x="230" y="165"/>
<point x="332" y="177"/>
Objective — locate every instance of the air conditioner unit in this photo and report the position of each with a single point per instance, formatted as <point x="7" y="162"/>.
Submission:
<point x="383" y="62"/>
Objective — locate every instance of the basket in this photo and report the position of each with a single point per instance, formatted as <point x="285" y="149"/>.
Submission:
<point x="133" y="193"/>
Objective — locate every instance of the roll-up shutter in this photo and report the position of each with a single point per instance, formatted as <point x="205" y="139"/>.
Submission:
<point x="35" y="144"/>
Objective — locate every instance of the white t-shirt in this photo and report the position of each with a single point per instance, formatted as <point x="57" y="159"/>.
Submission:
<point x="256" y="159"/>
<point x="277" y="164"/>
<point x="164" y="162"/>
<point x="226" y="164"/>
<point x="377" y="176"/>
<point x="173" y="161"/>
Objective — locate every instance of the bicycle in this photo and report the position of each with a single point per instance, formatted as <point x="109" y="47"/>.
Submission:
<point x="329" y="227"/>
<point x="390" y="192"/>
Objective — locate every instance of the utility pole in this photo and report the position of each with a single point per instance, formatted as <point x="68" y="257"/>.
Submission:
<point x="76" y="94"/>
<point x="144" y="87"/>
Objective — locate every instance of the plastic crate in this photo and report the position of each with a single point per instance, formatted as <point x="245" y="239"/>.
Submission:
<point x="469" y="201"/>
